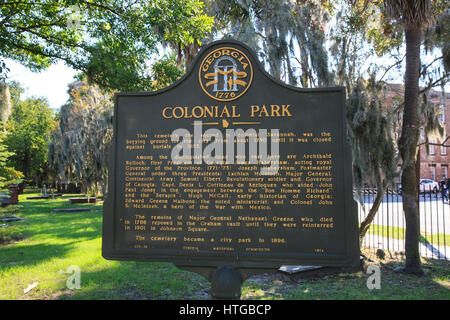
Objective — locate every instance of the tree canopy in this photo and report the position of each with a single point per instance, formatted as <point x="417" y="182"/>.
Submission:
<point x="111" y="41"/>
<point x="8" y="175"/>
<point x="79" y="144"/>
<point x="29" y="127"/>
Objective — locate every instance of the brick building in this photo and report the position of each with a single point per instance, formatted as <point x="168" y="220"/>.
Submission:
<point x="434" y="165"/>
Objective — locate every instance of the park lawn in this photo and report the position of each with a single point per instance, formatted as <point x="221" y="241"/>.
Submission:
<point x="399" y="234"/>
<point x="53" y="242"/>
<point x="435" y="285"/>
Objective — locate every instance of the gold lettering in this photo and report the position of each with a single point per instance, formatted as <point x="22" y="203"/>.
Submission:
<point x="253" y="109"/>
<point x="175" y="115"/>
<point x="225" y="111"/>
<point x="275" y="110"/>
<point x="195" y="114"/>
<point x="285" y="110"/>
<point x="164" y="113"/>
<point x="235" y="114"/>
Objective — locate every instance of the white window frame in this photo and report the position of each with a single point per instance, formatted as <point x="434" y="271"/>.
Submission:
<point x="444" y="172"/>
<point x="442" y="115"/>
<point x="433" y="172"/>
<point x="432" y="150"/>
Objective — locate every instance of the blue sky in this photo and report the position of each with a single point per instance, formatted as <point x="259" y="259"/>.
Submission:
<point x="53" y="82"/>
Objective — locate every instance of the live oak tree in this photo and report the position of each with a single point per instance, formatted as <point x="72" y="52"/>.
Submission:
<point x="111" y="41"/>
<point x="288" y="36"/>
<point x="359" y="34"/>
<point x="370" y="130"/>
<point x="5" y="111"/>
<point x="8" y="98"/>
<point x="79" y="144"/>
<point x="5" y="104"/>
<point x="356" y="30"/>
<point x="165" y="71"/>
<point x="182" y="26"/>
<point x="387" y="36"/>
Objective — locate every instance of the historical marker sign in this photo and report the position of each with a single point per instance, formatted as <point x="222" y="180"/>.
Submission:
<point x="231" y="167"/>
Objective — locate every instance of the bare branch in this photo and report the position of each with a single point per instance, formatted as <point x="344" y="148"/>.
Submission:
<point x="392" y="66"/>
<point x="426" y="67"/>
<point x="112" y="10"/>
<point x="442" y="144"/>
<point x="430" y="86"/>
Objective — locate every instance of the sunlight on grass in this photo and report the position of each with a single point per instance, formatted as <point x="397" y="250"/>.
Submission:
<point x="55" y="241"/>
<point x="399" y="233"/>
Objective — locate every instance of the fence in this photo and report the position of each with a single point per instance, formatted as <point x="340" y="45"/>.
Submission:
<point x="387" y="231"/>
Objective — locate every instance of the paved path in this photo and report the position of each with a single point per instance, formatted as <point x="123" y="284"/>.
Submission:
<point x="426" y="249"/>
<point x="434" y="219"/>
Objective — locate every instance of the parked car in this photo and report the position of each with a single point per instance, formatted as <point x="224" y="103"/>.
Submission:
<point x="428" y="185"/>
<point x="425" y="185"/>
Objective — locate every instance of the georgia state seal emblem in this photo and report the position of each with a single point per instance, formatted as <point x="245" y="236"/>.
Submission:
<point x="225" y="74"/>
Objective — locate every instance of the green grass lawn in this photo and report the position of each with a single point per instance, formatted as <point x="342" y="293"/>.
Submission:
<point x="52" y="242"/>
<point x="399" y="233"/>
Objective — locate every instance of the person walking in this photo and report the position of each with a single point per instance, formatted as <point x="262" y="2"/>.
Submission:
<point x="444" y="188"/>
<point x="448" y="188"/>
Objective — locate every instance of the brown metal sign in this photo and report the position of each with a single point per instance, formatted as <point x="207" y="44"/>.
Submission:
<point x="229" y="166"/>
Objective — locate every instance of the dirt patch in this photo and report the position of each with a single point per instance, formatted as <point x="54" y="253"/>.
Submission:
<point x="12" y="240"/>
<point x="344" y="283"/>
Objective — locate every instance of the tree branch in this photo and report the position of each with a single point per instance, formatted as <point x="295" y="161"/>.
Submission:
<point x="388" y="69"/>
<point x="53" y="40"/>
<point x="430" y="86"/>
<point x="442" y="144"/>
<point x="425" y="68"/>
<point x="117" y="13"/>
<point x="48" y="55"/>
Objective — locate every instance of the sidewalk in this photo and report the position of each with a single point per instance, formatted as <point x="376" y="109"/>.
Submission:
<point x="426" y="249"/>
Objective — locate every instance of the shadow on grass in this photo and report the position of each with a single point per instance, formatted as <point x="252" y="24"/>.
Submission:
<point x="46" y="206"/>
<point x="63" y="225"/>
<point x="138" y="281"/>
<point x="30" y="255"/>
<point x="435" y="285"/>
<point x="434" y="249"/>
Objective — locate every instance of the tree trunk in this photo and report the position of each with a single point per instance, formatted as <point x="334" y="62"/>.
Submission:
<point x="408" y="149"/>
<point x="365" y="225"/>
<point x="179" y="55"/>
<point x="26" y="165"/>
<point x="190" y="51"/>
<point x="273" y="51"/>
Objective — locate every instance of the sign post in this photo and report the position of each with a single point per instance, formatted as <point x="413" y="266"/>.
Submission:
<point x="229" y="173"/>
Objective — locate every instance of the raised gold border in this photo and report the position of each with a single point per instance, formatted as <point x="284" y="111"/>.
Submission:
<point x="230" y="99"/>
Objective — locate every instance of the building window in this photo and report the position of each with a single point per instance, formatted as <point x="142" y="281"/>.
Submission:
<point x="444" y="172"/>
<point x="432" y="151"/>
<point x="433" y="171"/>
<point x="443" y="151"/>
<point x="442" y="113"/>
